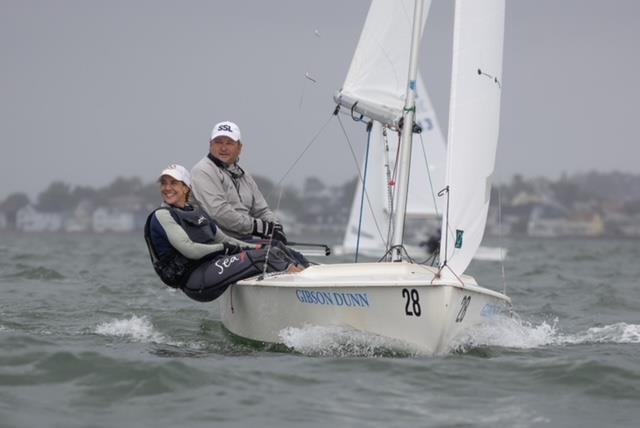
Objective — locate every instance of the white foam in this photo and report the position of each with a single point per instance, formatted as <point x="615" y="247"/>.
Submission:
<point x="340" y="341"/>
<point x="136" y="328"/>
<point x="517" y="333"/>
<point x="508" y="332"/>
<point x="614" y="333"/>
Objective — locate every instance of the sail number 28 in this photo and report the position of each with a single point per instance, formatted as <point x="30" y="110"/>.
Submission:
<point x="412" y="302"/>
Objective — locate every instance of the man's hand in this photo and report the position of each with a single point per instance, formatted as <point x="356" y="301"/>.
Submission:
<point x="278" y="233"/>
<point x="230" y="248"/>
<point x="268" y="230"/>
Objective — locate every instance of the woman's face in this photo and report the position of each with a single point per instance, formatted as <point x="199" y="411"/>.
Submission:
<point x="174" y="192"/>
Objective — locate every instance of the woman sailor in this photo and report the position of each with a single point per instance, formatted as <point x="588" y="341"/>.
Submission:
<point x="190" y="252"/>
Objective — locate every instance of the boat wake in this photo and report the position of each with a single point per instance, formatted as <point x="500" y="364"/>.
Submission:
<point x="504" y="332"/>
<point x="343" y="342"/>
<point x="614" y="333"/>
<point x="520" y="334"/>
<point x="138" y="329"/>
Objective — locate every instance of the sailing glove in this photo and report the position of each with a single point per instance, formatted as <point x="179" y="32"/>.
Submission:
<point x="268" y="230"/>
<point x="231" y="248"/>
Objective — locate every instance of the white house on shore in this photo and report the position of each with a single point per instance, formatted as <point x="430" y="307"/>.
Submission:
<point x="28" y="219"/>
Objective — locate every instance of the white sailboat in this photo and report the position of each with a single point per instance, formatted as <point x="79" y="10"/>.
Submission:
<point x="421" y="306"/>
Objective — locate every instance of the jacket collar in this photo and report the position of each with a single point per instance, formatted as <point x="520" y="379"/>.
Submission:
<point x="234" y="171"/>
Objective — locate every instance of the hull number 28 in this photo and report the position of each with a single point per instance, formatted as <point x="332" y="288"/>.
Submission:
<point x="412" y="302"/>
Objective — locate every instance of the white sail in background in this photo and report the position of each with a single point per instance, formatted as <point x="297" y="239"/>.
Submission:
<point x="425" y="174"/>
<point x="369" y="217"/>
<point x="473" y="127"/>
<point x="376" y="83"/>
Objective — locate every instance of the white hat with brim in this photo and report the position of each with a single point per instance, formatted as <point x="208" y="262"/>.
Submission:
<point x="226" y="129"/>
<point x="178" y="172"/>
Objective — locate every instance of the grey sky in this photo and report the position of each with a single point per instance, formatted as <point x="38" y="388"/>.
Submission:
<point x="90" y="90"/>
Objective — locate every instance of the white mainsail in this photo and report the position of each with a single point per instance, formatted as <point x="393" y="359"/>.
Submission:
<point x="375" y="86"/>
<point x="474" y="113"/>
<point x="376" y="83"/>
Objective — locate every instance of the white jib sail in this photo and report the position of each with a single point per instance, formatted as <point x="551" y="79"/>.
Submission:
<point x="474" y="112"/>
<point x="377" y="77"/>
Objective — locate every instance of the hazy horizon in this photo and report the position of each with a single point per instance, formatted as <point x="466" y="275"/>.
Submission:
<point x="95" y="90"/>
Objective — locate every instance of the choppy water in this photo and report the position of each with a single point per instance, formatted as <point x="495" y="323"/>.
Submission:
<point x="90" y="338"/>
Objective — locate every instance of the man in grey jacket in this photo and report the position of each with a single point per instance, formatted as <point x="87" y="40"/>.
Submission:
<point x="229" y="194"/>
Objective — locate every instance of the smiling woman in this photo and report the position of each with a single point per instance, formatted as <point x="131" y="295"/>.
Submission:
<point x="190" y="252"/>
<point x="174" y="191"/>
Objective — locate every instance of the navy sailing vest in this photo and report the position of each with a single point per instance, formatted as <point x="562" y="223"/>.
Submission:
<point x="172" y="267"/>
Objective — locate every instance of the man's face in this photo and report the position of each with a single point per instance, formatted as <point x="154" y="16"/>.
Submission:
<point x="225" y="149"/>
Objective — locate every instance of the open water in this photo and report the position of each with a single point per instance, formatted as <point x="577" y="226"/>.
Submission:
<point x="89" y="337"/>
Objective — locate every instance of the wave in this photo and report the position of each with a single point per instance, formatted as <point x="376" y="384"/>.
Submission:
<point x="511" y="332"/>
<point x="521" y="334"/>
<point x="138" y="329"/>
<point x="141" y="329"/>
<point x="28" y="272"/>
<point x="615" y="333"/>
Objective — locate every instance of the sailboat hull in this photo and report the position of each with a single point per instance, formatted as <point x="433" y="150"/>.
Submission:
<point x="402" y="302"/>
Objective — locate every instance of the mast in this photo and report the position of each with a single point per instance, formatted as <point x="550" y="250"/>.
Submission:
<point x="408" y="115"/>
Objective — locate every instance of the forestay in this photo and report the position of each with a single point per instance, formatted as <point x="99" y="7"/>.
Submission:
<point x="473" y="127"/>
<point x="369" y="217"/>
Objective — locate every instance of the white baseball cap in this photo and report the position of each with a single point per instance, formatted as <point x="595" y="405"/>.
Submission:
<point x="227" y="129"/>
<point x="178" y="172"/>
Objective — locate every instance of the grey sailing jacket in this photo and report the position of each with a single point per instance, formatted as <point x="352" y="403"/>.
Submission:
<point x="232" y="203"/>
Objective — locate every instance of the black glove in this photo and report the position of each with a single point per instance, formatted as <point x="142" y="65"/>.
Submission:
<point x="268" y="230"/>
<point x="278" y="233"/>
<point x="231" y="248"/>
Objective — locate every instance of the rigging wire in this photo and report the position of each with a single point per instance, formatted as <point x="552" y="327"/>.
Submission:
<point x="390" y="188"/>
<point x="360" y="176"/>
<point x="266" y="257"/>
<point x="364" y="180"/>
<point x="426" y="162"/>
<point x="391" y="182"/>
<point x="295" y="162"/>
<point x="501" y="243"/>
